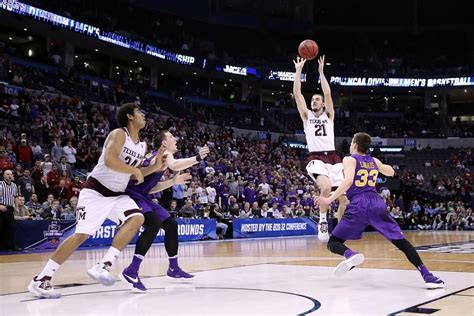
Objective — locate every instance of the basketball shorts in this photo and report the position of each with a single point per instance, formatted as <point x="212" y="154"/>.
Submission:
<point x="93" y="208"/>
<point x="146" y="205"/>
<point x="326" y="163"/>
<point x="367" y="209"/>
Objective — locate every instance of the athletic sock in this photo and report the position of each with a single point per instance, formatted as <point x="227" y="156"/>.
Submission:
<point x="349" y="253"/>
<point x="50" y="268"/>
<point x="173" y="262"/>
<point x="111" y="255"/>
<point x="136" y="262"/>
<point x="423" y="270"/>
<point x="322" y="217"/>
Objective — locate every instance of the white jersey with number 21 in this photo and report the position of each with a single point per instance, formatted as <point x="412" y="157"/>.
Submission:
<point x="319" y="132"/>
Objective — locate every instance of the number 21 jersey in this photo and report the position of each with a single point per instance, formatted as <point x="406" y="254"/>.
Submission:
<point x="365" y="177"/>
<point x="319" y="132"/>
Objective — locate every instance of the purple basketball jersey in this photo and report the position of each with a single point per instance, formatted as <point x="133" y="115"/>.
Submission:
<point x="148" y="182"/>
<point x="365" y="177"/>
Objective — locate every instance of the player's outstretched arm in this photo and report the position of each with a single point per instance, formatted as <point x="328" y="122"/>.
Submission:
<point x="349" y="164"/>
<point x="113" y="145"/>
<point x="182" y="164"/>
<point x="299" y="98"/>
<point x="386" y="170"/>
<point x="328" y="103"/>
<point x="177" y="179"/>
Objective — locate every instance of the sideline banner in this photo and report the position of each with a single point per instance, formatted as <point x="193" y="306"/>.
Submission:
<point x="45" y="234"/>
<point x="273" y="227"/>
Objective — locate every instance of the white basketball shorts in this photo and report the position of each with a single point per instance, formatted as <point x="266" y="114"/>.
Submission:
<point x="93" y="208"/>
<point x="332" y="171"/>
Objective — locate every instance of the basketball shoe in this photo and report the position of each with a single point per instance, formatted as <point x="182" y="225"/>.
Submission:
<point x="177" y="273"/>
<point x="43" y="288"/>
<point x="433" y="282"/>
<point x="323" y="231"/>
<point x="131" y="276"/>
<point x="101" y="273"/>
<point x="348" y="264"/>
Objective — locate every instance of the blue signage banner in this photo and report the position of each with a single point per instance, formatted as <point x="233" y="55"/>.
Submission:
<point x="93" y="31"/>
<point x="12" y="90"/>
<point x="273" y="227"/>
<point x="410" y="142"/>
<point x="401" y="82"/>
<point x="45" y="234"/>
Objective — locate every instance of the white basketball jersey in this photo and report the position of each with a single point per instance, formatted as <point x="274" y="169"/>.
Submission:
<point x="131" y="153"/>
<point x="319" y="132"/>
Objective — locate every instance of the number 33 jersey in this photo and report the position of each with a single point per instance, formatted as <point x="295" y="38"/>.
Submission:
<point x="319" y="132"/>
<point x="365" y="177"/>
<point x="131" y="153"/>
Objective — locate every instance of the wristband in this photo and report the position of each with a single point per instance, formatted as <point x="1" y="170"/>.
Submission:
<point x="198" y="157"/>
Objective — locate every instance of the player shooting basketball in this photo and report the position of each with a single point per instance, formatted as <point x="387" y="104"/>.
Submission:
<point x="324" y="165"/>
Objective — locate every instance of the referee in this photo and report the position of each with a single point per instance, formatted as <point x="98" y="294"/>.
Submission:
<point x="8" y="192"/>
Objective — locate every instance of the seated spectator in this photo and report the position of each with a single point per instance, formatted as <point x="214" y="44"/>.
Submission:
<point x="424" y="223"/>
<point x="26" y="185"/>
<point x="255" y="211"/>
<point x="69" y="212"/>
<point x="265" y="211"/>
<point x="214" y="213"/>
<point x="289" y="211"/>
<point x="34" y="207"/>
<point x="385" y="193"/>
<point x="173" y="209"/>
<point x="411" y="221"/>
<point x="415" y="208"/>
<point x="61" y="193"/>
<point x="20" y="209"/>
<point x="299" y="211"/>
<point x="54" y="212"/>
<point x="48" y="203"/>
<point x="188" y="210"/>
<point x="42" y="189"/>
<point x="76" y="186"/>
<point x="395" y="212"/>
<point x="53" y="177"/>
<point x="246" y="211"/>
<point x="438" y="223"/>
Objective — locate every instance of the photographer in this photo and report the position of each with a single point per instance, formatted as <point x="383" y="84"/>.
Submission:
<point x="213" y="212"/>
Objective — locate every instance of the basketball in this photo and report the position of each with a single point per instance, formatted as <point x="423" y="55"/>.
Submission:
<point x="308" y="49"/>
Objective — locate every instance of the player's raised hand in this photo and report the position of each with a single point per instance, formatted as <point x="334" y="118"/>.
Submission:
<point x="321" y="64"/>
<point x="322" y="200"/>
<point x="137" y="176"/>
<point x="204" y="151"/>
<point x="299" y="63"/>
<point x="160" y="159"/>
<point x="182" y="178"/>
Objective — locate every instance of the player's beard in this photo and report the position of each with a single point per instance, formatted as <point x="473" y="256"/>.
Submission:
<point x="319" y="111"/>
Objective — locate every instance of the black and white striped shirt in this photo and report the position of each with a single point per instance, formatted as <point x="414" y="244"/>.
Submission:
<point x="8" y="192"/>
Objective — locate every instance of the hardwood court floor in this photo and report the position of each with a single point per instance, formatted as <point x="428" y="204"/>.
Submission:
<point x="284" y="276"/>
